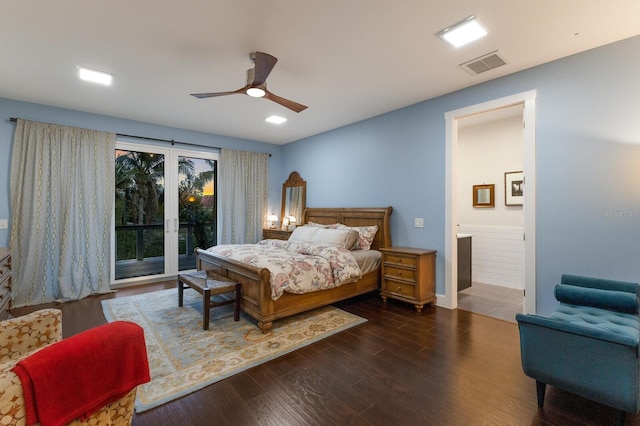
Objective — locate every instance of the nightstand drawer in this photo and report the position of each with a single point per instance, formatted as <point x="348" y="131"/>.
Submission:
<point x="5" y="268"/>
<point x="4" y="308"/>
<point x="402" y="289"/>
<point x="405" y="274"/>
<point x="5" y="293"/>
<point x="5" y="282"/>
<point x="400" y="260"/>
<point x="5" y="271"/>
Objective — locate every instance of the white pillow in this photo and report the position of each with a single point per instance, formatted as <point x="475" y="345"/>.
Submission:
<point x="303" y="233"/>
<point x="343" y="238"/>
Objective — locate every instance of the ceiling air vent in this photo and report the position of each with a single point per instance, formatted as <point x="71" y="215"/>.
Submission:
<point x="483" y="63"/>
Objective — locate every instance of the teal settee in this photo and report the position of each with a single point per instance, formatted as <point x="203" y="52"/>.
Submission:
<point x="589" y="345"/>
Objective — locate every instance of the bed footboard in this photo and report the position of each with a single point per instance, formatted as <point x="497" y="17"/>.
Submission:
<point x="256" y="290"/>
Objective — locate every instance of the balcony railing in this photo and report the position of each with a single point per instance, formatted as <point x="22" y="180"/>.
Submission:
<point x="140" y="248"/>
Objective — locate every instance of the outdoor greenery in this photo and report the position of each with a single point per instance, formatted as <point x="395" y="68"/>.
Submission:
<point x="139" y="204"/>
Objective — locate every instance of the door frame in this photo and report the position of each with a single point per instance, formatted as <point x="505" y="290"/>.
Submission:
<point x="528" y="100"/>
<point x="170" y="214"/>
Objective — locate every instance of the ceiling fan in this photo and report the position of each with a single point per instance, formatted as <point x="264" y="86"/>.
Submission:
<point x="257" y="83"/>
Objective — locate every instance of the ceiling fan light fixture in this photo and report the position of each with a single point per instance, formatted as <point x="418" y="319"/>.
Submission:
<point x="275" y="119"/>
<point x="464" y="32"/>
<point x="255" y="92"/>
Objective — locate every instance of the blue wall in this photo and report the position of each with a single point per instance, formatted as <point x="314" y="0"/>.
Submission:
<point x="587" y="165"/>
<point x="588" y="162"/>
<point x="29" y="111"/>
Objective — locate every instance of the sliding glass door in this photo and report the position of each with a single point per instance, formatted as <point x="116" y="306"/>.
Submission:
<point x="139" y="213"/>
<point x="165" y="206"/>
<point x="197" y="206"/>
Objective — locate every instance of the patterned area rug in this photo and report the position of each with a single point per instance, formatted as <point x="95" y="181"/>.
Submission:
<point x="184" y="358"/>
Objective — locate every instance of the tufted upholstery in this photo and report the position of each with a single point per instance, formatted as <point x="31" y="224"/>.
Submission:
<point x="589" y="345"/>
<point x="609" y="321"/>
<point x="19" y="338"/>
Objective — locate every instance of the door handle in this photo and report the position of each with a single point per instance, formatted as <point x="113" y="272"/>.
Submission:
<point x="175" y="225"/>
<point x="166" y="228"/>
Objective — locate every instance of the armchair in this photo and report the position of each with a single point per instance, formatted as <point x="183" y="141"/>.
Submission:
<point x="38" y="334"/>
<point x="589" y="345"/>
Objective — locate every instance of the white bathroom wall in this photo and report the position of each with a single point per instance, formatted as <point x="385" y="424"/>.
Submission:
<point x="485" y="152"/>
<point x="497" y="255"/>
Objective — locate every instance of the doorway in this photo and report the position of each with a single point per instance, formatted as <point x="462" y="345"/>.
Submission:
<point x="490" y="246"/>
<point x="527" y="100"/>
<point x="165" y="206"/>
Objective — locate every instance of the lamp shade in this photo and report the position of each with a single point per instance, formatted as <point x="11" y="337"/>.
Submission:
<point x="272" y="218"/>
<point x="292" y="223"/>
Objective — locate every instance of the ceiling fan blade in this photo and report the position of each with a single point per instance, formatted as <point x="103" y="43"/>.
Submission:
<point x="214" y="94"/>
<point x="294" y="106"/>
<point x="264" y="63"/>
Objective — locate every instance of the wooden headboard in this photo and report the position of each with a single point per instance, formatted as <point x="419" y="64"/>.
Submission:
<point x="355" y="216"/>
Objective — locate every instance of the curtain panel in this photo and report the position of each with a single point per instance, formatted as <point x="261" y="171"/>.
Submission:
<point x="244" y="191"/>
<point x="62" y="204"/>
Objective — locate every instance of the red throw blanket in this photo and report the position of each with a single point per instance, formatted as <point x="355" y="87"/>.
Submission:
<point x="75" y="377"/>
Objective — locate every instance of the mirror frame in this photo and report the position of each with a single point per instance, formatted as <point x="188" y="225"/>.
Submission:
<point x="293" y="181"/>
<point x="476" y="198"/>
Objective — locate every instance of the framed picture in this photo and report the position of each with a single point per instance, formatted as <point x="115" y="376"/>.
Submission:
<point x="484" y="195"/>
<point x="513" y="188"/>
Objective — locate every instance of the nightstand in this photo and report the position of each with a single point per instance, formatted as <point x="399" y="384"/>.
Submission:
<point x="275" y="234"/>
<point x="409" y="275"/>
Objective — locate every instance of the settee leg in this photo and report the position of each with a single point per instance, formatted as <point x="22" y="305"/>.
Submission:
<point x="620" y="417"/>
<point x="540" y="388"/>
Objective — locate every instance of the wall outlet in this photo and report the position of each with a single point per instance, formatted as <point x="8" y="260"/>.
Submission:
<point x="418" y="222"/>
<point x="4" y="223"/>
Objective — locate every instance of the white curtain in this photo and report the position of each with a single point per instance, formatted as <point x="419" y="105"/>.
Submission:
<point x="62" y="204"/>
<point x="244" y="191"/>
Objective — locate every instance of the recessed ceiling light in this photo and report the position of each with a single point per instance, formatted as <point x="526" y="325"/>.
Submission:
<point x="95" y="76"/>
<point x="275" y="119"/>
<point x="464" y="32"/>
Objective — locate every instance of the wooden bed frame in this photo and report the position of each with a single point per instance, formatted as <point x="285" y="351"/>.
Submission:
<point x="256" y="290"/>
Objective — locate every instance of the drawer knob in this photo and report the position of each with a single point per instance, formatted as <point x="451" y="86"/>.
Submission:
<point x="399" y="288"/>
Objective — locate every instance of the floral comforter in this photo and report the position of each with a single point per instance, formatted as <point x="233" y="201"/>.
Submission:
<point x="296" y="266"/>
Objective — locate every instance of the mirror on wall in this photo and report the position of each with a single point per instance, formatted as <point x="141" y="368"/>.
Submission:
<point x="484" y="195"/>
<point x="294" y="200"/>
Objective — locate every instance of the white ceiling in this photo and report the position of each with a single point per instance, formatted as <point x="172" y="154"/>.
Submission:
<point x="347" y="60"/>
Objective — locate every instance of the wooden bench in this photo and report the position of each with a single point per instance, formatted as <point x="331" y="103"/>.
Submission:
<point x="209" y="284"/>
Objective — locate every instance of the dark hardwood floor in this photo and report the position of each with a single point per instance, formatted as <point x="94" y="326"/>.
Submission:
<point x="438" y="367"/>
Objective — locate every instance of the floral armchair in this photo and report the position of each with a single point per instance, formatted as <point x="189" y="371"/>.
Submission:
<point x="23" y="336"/>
